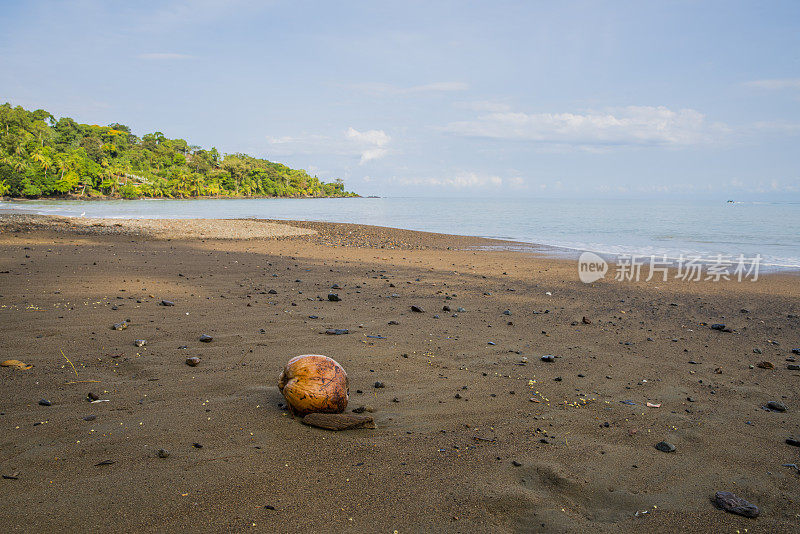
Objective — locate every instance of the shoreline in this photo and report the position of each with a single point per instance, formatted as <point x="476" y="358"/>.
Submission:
<point x="474" y="431"/>
<point x="139" y="227"/>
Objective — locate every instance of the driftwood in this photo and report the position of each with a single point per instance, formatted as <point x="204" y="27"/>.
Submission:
<point x="338" y="421"/>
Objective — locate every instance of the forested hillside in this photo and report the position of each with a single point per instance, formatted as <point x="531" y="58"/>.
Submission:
<point x="41" y="157"/>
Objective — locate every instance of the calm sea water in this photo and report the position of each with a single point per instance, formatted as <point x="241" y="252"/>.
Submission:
<point x="705" y="228"/>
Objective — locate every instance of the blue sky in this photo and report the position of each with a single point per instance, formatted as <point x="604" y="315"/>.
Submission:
<point x="439" y="98"/>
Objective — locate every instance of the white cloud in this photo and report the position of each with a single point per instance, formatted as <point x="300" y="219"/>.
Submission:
<point x="628" y="126"/>
<point x="158" y="56"/>
<point x="487" y="106"/>
<point x="389" y="89"/>
<point x="775" y="83"/>
<point x="459" y="181"/>
<point x="371" y="143"/>
<point x="780" y="127"/>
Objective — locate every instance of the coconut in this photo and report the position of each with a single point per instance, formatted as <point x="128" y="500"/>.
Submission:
<point x="313" y="383"/>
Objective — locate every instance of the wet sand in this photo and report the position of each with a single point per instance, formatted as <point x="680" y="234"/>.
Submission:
<point x="475" y="433"/>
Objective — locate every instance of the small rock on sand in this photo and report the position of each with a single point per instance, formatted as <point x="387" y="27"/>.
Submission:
<point x="120" y="326"/>
<point x="665" y="446"/>
<point x="163" y="453"/>
<point x="192" y="361"/>
<point x="548" y="358"/>
<point x="729" y="502"/>
<point x="337" y="331"/>
<point x="167" y="303"/>
<point x="139" y="342"/>
<point x="417" y="309"/>
<point x="333" y="297"/>
<point x="776" y="406"/>
<point x="205" y="338"/>
<point x="45" y="402"/>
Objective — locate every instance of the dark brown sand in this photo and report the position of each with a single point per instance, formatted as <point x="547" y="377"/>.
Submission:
<point x="528" y="447"/>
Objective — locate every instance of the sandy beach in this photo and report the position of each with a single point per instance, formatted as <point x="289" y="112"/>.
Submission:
<point x="474" y="431"/>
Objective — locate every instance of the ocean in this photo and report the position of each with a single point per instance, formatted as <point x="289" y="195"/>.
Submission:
<point x="611" y="227"/>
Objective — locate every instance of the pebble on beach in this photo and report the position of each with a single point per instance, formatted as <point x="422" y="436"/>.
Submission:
<point x="776" y="406"/>
<point x="192" y="361"/>
<point x="729" y="502"/>
<point x="665" y="446"/>
<point x="337" y="331"/>
<point x="139" y="342"/>
<point x="205" y="338"/>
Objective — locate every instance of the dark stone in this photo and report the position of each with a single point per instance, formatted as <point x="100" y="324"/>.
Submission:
<point x="192" y="361"/>
<point x="92" y="396"/>
<point x="665" y="446"/>
<point x="795" y="351"/>
<point x="507" y="312"/>
<point x="793" y="367"/>
<point x="417" y="309"/>
<point x="776" y="406"/>
<point x="333" y="297"/>
<point x="337" y="331"/>
<point x="120" y="326"/>
<point x="379" y="384"/>
<point x="794" y="442"/>
<point x="516" y="463"/>
<point x="720" y="327"/>
<point x="272" y="292"/>
<point x="163" y="453"/>
<point x="45" y="402"/>
<point x="548" y="358"/>
<point x="205" y="338"/>
<point x="446" y="308"/>
<point x="765" y="365"/>
<point x="89" y="417"/>
<point x="167" y="303"/>
<point x="729" y="502"/>
<point x="197" y="445"/>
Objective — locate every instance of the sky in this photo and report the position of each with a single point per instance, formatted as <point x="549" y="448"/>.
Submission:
<point x="438" y="98"/>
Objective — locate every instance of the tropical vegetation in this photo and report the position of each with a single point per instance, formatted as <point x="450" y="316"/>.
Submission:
<point x="44" y="157"/>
